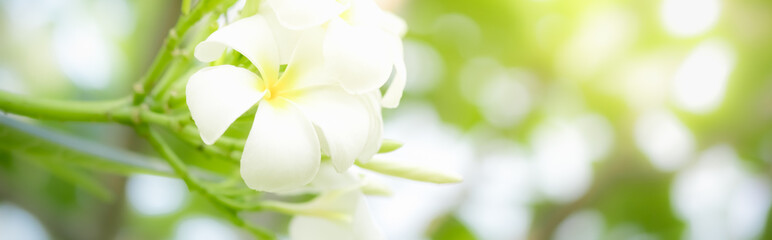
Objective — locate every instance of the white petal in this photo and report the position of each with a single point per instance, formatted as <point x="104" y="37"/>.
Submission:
<point x="358" y="56"/>
<point x="329" y="179"/>
<point x="305" y="68"/>
<point x="301" y="14"/>
<point x="376" y="126"/>
<point x="286" y="38"/>
<point x="252" y="37"/>
<point x="344" y="121"/>
<point x="393" y="24"/>
<point x="218" y="95"/>
<point x="326" y="180"/>
<point x="282" y="150"/>
<point x="361" y="227"/>
<point x="367" y="12"/>
<point x="394" y="94"/>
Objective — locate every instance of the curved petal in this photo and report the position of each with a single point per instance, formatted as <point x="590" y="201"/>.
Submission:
<point x="393" y="24"/>
<point x="218" y="95"/>
<point x="282" y="150"/>
<point x="360" y="57"/>
<point x="344" y="121"/>
<point x="305" y="68"/>
<point x="394" y="94"/>
<point x="286" y="38"/>
<point x="329" y="179"/>
<point x="373" y="99"/>
<point x="367" y="12"/>
<point x="252" y="37"/>
<point x="360" y="227"/>
<point x="301" y="14"/>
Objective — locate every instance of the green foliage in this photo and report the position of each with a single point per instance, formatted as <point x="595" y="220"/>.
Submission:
<point x="448" y="227"/>
<point x="643" y="201"/>
<point x="55" y="149"/>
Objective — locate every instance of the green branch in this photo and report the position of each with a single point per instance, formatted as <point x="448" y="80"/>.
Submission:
<point x="62" y="110"/>
<point x="231" y="207"/>
<point x="162" y="89"/>
<point x="164" y="57"/>
<point x="119" y="111"/>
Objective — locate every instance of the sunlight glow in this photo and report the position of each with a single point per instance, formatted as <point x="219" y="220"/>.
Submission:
<point x="602" y="36"/>
<point x="16" y="223"/>
<point x="700" y="82"/>
<point x="153" y="195"/>
<point x="84" y="54"/>
<point x="582" y="225"/>
<point x="646" y="80"/>
<point x="430" y="143"/>
<point x="562" y="161"/>
<point x="748" y="209"/>
<point x="719" y="198"/>
<point x="689" y="17"/>
<point x="497" y="205"/>
<point x="204" y="228"/>
<point x="473" y="72"/>
<point x="10" y="82"/>
<point x="505" y="99"/>
<point x="664" y="140"/>
<point x="425" y="66"/>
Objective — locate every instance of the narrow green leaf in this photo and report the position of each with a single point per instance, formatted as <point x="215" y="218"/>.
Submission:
<point x="69" y="174"/>
<point x="23" y="138"/>
<point x="389" y="145"/>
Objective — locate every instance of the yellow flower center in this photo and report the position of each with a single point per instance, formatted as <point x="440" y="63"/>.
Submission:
<point x="284" y="87"/>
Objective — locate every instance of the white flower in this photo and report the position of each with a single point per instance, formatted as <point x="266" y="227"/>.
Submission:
<point x="300" y="111"/>
<point x="362" y="43"/>
<point x="340" y="193"/>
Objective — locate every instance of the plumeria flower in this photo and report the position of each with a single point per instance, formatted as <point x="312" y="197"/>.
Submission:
<point x="340" y="193"/>
<point x="362" y="43"/>
<point x="301" y="112"/>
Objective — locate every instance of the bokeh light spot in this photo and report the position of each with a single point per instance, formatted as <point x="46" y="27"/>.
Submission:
<point x="424" y="66"/>
<point x="16" y="223"/>
<point x="204" y="228"/>
<point x="700" y="82"/>
<point x="497" y="205"/>
<point x="153" y="195"/>
<point x="664" y="140"/>
<point x="582" y="225"/>
<point x="562" y="161"/>
<point x="720" y="198"/>
<point x="689" y="17"/>
<point x="505" y="99"/>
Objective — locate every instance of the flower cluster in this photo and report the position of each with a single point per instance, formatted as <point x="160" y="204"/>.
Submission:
<point x="327" y="101"/>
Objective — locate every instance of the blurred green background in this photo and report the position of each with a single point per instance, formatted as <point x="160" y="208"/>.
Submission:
<point x="569" y="120"/>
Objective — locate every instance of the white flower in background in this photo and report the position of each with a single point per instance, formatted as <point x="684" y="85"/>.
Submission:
<point x="340" y="193"/>
<point x="299" y="112"/>
<point x="362" y="43"/>
<point x="360" y="225"/>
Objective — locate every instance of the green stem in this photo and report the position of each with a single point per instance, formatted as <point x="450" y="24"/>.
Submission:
<point x="171" y="43"/>
<point x="177" y="69"/>
<point x="93" y="111"/>
<point x="161" y="92"/>
<point x="63" y="110"/>
<point x="230" y="207"/>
